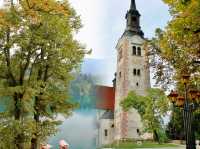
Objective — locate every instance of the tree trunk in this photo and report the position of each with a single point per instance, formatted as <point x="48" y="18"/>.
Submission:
<point x="19" y="138"/>
<point x="19" y="142"/>
<point x="35" y="141"/>
<point x="156" y="137"/>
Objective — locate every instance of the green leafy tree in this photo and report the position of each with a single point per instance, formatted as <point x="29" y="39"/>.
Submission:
<point x="37" y="55"/>
<point x="152" y="109"/>
<point x="176" y="49"/>
<point x="175" y="126"/>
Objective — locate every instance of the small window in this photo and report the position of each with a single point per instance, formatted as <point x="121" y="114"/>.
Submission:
<point x="138" y="72"/>
<point x="134" y="72"/>
<point x="137" y="84"/>
<point x="112" y="126"/>
<point x="138" y="131"/>
<point x="120" y="74"/>
<point x="106" y="132"/>
<point x="133" y="21"/>
<point x="134" y="50"/>
<point x="139" y="51"/>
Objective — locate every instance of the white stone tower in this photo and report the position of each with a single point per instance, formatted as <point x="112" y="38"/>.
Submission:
<point x="132" y="75"/>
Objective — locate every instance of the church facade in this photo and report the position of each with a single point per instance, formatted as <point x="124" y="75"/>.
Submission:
<point x="132" y="74"/>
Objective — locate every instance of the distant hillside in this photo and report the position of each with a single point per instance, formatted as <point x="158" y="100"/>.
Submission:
<point x="82" y="91"/>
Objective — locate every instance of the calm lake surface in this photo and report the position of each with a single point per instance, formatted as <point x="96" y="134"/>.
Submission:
<point x="78" y="130"/>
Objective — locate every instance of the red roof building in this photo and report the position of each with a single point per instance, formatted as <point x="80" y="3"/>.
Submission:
<point x="105" y="98"/>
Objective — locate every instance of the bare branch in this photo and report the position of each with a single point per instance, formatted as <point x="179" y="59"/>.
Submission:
<point x="24" y="69"/>
<point x="7" y="56"/>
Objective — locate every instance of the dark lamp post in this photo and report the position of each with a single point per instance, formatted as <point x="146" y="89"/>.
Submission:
<point x="188" y="104"/>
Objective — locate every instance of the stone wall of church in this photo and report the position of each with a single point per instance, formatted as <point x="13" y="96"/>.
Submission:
<point x="138" y="63"/>
<point x="106" y="132"/>
<point x="128" y="124"/>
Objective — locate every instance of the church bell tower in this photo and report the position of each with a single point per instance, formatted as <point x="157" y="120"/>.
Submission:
<point x="133" y="20"/>
<point x="132" y="75"/>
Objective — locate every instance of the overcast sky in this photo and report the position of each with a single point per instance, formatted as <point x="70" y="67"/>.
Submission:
<point x="104" y="22"/>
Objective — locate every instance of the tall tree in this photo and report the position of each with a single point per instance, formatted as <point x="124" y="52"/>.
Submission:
<point x="37" y="55"/>
<point x="175" y="126"/>
<point x="176" y="49"/>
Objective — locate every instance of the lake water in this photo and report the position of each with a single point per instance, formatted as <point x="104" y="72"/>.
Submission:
<point x="78" y="130"/>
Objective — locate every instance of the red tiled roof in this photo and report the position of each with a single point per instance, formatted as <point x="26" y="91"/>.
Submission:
<point x="105" y="98"/>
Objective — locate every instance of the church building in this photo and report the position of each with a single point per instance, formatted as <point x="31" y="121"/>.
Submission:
<point x="132" y="74"/>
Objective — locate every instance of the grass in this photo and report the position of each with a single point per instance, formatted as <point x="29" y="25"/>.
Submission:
<point x="131" y="145"/>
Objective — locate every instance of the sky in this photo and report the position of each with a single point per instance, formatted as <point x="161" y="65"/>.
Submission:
<point x="104" y="22"/>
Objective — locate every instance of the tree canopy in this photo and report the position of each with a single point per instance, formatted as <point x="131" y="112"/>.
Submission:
<point x="38" y="53"/>
<point x="152" y="109"/>
<point x="176" y="49"/>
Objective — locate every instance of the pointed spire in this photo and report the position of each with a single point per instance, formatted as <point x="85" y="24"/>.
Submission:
<point x="133" y="5"/>
<point x="133" y="20"/>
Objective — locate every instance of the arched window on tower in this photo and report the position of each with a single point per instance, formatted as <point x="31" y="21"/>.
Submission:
<point x="134" y="52"/>
<point x="134" y="72"/>
<point x="133" y="21"/>
<point x="139" y="53"/>
<point x="138" y="72"/>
